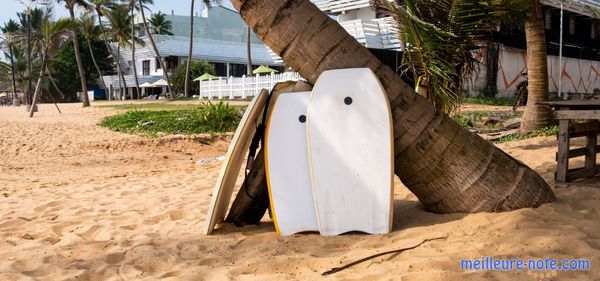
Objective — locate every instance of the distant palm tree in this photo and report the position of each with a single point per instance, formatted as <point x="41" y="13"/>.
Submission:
<point x="31" y="22"/>
<point x="9" y="29"/>
<point x="70" y="5"/>
<point x="156" y="53"/>
<point x="51" y="39"/>
<point x="133" y="6"/>
<point x="191" y="47"/>
<point x="91" y="32"/>
<point x="102" y="8"/>
<point x="160" y="25"/>
<point x="120" y="23"/>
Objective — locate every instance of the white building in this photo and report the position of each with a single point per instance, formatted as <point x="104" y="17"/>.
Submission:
<point x="219" y="38"/>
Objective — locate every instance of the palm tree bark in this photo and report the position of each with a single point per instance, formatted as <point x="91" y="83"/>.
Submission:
<point x="84" y="88"/>
<point x="156" y="53"/>
<point x="448" y="168"/>
<point x="189" y="60"/>
<point x="536" y="116"/>
<point x="249" y="50"/>
<point x="133" y="62"/>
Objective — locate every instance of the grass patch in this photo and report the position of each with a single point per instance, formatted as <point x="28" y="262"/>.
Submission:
<point x="471" y="119"/>
<point x="489" y="101"/>
<point x="212" y="118"/>
<point x="151" y="106"/>
<point x="545" y="132"/>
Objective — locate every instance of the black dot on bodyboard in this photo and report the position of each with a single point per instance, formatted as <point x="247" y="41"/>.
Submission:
<point x="348" y="100"/>
<point x="302" y="118"/>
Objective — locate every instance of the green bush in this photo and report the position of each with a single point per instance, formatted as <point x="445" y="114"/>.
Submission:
<point x="210" y="118"/>
<point x="197" y="68"/>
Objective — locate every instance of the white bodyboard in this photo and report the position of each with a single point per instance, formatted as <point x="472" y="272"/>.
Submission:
<point x="288" y="177"/>
<point x="350" y="150"/>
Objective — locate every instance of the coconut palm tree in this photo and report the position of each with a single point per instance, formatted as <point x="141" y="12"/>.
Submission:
<point x="102" y="8"/>
<point x="53" y="35"/>
<point x="133" y="7"/>
<point x="160" y="25"/>
<point x="536" y="116"/>
<point x="91" y="32"/>
<point x="9" y="29"/>
<point x="448" y="168"/>
<point x="120" y="23"/>
<point x="440" y="37"/>
<point x="160" y="59"/>
<point x="70" y="5"/>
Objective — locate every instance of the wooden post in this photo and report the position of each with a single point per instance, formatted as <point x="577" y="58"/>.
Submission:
<point x="590" y="157"/>
<point x="562" y="157"/>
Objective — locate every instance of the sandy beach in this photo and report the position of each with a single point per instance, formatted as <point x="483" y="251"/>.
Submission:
<point x="80" y="202"/>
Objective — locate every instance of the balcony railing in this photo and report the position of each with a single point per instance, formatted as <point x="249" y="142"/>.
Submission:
<point x="376" y="33"/>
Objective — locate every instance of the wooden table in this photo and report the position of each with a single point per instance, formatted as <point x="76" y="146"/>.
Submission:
<point x="587" y="114"/>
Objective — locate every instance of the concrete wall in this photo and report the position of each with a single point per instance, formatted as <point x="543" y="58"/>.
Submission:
<point x="578" y="76"/>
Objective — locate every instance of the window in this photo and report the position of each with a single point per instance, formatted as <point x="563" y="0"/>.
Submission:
<point x="146" y="68"/>
<point x="157" y="63"/>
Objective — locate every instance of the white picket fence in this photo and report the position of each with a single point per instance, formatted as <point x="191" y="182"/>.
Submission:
<point x="243" y="87"/>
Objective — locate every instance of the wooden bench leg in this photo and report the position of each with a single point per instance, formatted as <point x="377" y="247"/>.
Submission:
<point x="562" y="157"/>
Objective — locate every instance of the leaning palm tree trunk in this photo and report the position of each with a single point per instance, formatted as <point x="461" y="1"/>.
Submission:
<point x="96" y="64"/>
<point x="536" y="116"/>
<point x="156" y="53"/>
<point x="448" y="168"/>
<point x="133" y="63"/>
<point x="110" y="50"/>
<point x="38" y="87"/>
<point x="84" y="88"/>
<point x="189" y="60"/>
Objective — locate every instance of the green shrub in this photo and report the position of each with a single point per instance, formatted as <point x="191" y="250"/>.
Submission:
<point x="197" y="68"/>
<point x="210" y="118"/>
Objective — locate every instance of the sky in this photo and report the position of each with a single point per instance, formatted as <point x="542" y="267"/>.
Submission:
<point x="180" y="7"/>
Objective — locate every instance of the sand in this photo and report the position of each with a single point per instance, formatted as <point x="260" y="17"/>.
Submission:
<point x="79" y="202"/>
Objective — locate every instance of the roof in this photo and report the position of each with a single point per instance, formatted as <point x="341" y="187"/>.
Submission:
<point x="576" y="6"/>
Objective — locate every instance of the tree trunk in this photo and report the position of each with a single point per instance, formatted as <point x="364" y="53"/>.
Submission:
<point x="189" y="60"/>
<point x="12" y="69"/>
<point x="122" y="90"/>
<point x="38" y="87"/>
<point x="135" y="73"/>
<point x="448" y="168"/>
<point x="110" y="50"/>
<point x="96" y="64"/>
<point x="160" y="59"/>
<point x="536" y="116"/>
<point x="84" y="88"/>
<point x="249" y="50"/>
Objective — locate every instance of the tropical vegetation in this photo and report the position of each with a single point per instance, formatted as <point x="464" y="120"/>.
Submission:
<point x="196" y="69"/>
<point x="208" y="118"/>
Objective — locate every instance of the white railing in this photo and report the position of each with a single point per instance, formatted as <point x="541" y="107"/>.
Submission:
<point x="243" y="87"/>
<point x="376" y="33"/>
